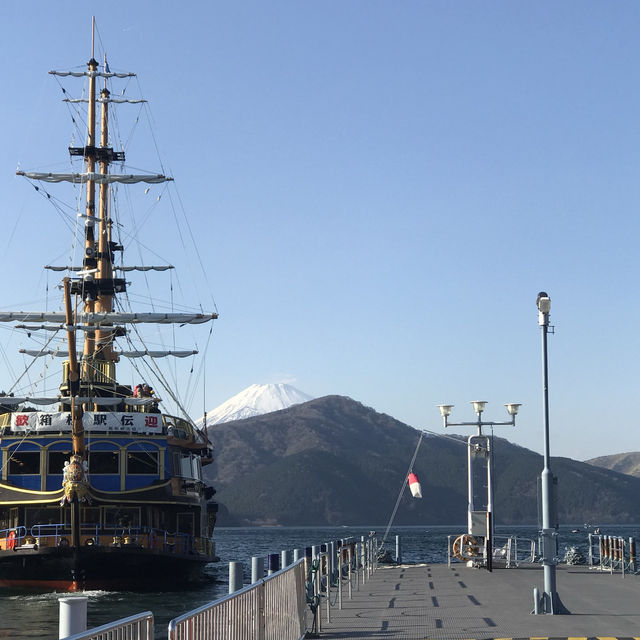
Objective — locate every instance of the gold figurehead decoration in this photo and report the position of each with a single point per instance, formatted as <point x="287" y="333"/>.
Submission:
<point x="74" y="481"/>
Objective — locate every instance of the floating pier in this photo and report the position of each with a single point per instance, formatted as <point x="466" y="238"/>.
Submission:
<point x="340" y="590"/>
<point x="420" y="602"/>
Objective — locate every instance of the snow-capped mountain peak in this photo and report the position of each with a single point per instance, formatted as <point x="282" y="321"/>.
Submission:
<point x="256" y="400"/>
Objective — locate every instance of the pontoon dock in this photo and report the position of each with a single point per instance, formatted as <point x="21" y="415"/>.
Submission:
<point x="416" y="602"/>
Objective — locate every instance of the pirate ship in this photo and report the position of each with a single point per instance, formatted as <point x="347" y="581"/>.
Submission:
<point x="101" y="487"/>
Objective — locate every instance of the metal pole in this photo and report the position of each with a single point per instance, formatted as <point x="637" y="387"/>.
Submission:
<point x="550" y="600"/>
<point x="235" y="576"/>
<point x="257" y="569"/>
<point x="489" y="540"/>
<point x="470" y="505"/>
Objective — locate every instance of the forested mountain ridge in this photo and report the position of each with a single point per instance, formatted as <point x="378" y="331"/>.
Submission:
<point x="333" y="461"/>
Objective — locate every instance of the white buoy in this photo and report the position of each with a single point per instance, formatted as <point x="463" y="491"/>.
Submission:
<point x="414" y="486"/>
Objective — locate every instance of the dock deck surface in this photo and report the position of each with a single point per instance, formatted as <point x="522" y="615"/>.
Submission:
<point x="416" y="602"/>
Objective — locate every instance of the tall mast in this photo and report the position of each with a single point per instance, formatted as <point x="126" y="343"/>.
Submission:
<point x="104" y="302"/>
<point x="89" y="261"/>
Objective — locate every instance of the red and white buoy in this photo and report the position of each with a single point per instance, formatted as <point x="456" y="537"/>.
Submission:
<point x="414" y="485"/>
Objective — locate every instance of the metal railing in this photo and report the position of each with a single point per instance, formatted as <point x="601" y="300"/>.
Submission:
<point x="354" y="563"/>
<point x="59" y="534"/>
<point x="136" y="627"/>
<point x="514" y="550"/>
<point x="274" y="608"/>
<point x="612" y="553"/>
<point x="507" y="551"/>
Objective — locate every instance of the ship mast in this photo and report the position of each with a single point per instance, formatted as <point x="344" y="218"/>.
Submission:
<point x="89" y="260"/>
<point x="104" y="338"/>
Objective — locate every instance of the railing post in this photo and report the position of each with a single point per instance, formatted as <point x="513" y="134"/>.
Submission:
<point x="328" y="589"/>
<point x="349" y="549"/>
<point x="340" y="578"/>
<point x="317" y="592"/>
<point x="262" y="623"/>
<point x="398" y="550"/>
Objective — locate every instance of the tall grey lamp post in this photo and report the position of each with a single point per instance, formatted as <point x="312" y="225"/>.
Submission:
<point x="550" y="601"/>
<point x="479" y="523"/>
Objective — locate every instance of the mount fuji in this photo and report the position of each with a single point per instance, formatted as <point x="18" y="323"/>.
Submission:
<point x="255" y="400"/>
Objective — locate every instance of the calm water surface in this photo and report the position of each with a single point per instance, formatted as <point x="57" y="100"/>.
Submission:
<point x="29" y="615"/>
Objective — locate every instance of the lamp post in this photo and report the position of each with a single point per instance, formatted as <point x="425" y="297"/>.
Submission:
<point x="480" y="523"/>
<point x="550" y="601"/>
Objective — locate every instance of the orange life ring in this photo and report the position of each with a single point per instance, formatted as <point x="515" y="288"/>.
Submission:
<point x="465" y="547"/>
<point x="11" y="540"/>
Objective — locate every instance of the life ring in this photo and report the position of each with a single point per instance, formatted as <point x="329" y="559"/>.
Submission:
<point x="63" y="542"/>
<point x="465" y="547"/>
<point x="89" y="542"/>
<point x="11" y="540"/>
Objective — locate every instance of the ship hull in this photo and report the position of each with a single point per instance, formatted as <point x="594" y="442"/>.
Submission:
<point x="68" y="569"/>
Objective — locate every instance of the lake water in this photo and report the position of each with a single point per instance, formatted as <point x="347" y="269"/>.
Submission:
<point x="35" y="615"/>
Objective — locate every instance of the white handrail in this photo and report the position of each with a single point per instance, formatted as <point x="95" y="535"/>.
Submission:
<point x="136" y="627"/>
<point x="274" y="608"/>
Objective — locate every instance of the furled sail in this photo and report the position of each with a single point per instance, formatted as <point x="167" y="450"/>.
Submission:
<point x="108" y="317"/>
<point x="98" y="178"/>
<point x="92" y="74"/>
<point x="11" y="401"/>
<point x="105" y="100"/>
<point x="124" y="354"/>
<point x="132" y="268"/>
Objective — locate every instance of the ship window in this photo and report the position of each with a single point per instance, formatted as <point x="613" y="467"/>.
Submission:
<point x="142" y="462"/>
<point x="121" y="517"/>
<point x="42" y="516"/>
<point x="186" y="523"/>
<point x="90" y="515"/>
<point x="56" y="460"/>
<point x="104" y="462"/>
<point x="24" y="463"/>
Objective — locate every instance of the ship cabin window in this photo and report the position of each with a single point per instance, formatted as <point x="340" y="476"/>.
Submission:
<point x="24" y="463"/>
<point x="186" y="523"/>
<point x="56" y="460"/>
<point x="42" y="516"/>
<point x="142" y="462"/>
<point x="121" y="517"/>
<point x="104" y="462"/>
<point x="90" y="515"/>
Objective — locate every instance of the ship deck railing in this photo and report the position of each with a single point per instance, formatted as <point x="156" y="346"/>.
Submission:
<point x="59" y="535"/>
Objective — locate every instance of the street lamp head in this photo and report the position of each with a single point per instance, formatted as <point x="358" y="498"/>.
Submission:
<point x="512" y="408"/>
<point x="445" y="410"/>
<point x="479" y="405"/>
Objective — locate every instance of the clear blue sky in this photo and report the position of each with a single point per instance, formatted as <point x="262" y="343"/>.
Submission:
<point x="380" y="190"/>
